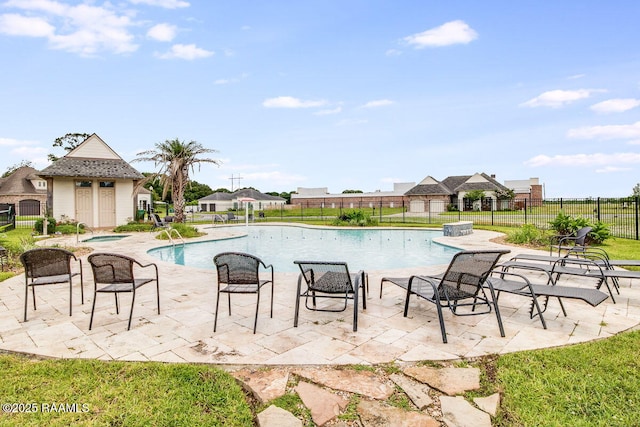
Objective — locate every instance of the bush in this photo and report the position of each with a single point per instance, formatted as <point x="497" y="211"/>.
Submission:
<point x="356" y="217"/>
<point x="133" y="227"/>
<point x="69" y="229"/>
<point x="528" y="234"/>
<point x="566" y="225"/>
<point x="185" y="231"/>
<point x="51" y="225"/>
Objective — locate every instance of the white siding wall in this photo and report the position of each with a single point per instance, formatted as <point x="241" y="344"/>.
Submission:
<point x="64" y="198"/>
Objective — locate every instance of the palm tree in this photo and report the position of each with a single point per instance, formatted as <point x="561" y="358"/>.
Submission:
<point x="174" y="159"/>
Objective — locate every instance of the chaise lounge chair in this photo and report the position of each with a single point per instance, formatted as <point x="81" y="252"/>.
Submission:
<point x="464" y="281"/>
<point x="330" y="280"/>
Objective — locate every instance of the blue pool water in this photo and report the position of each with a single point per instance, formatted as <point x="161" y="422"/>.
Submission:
<point x="363" y="249"/>
<point x="106" y="238"/>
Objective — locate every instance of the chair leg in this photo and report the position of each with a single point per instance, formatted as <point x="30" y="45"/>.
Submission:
<point x="158" y="294"/>
<point x="70" y="295"/>
<point x="441" y="319"/>
<point x="229" y="299"/>
<point x="115" y="295"/>
<point x="133" y="300"/>
<point x="272" y="299"/>
<point x="255" y="321"/>
<point x="215" y="318"/>
<point x="93" y="307"/>
<point x="295" y="316"/>
<point x="355" y="307"/>
<point x="26" y="297"/>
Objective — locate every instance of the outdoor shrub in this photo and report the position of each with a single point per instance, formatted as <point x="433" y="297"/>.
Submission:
<point x="566" y="225"/>
<point x="51" y="225"/>
<point x="528" y="234"/>
<point x="600" y="232"/>
<point x="356" y="217"/>
<point x="133" y="226"/>
<point x="69" y="229"/>
<point x="185" y="231"/>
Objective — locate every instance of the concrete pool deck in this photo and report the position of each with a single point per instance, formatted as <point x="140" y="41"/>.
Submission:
<point x="183" y="332"/>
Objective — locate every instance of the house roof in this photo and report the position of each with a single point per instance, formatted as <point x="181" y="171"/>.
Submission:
<point x="93" y="158"/>
<point x="455" y="184"/>
<point x="19" y="182"/>
<point x="91" y="168"/>
<point x="246" y="192"/>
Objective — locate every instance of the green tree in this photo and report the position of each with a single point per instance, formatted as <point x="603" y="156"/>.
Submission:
<point x="195" y="191"/>
<point x="474" y="195"/>
<point x="636" y="190"/>
<point x="13" y="168"/>
<point x="174" y="159"/>
<point x="68" y="143"/>
<point x="351" y="191"/>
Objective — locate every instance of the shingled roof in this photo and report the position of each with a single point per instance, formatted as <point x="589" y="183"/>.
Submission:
<point x="453" y="185"/>
<point x="91" y="168"/>
<point x="19" y="182"/>
<point x="93" y="158"/>
<point x="246" y="192"/>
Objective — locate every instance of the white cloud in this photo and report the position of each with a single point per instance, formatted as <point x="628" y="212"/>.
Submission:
<point x="328" y="112"/>
<point x="82" y="28"/>
<point x="9" y="142"/>
<point x="612" y="169"/>
<point x="576" y="76"/>
<point x="596" y="159"/>
<point x="454" y="32"/>
<point x="378" y="103"/>
<point x="291" y="102"/>
<point x="617" y="105"/>
<point x="162" y="32"/>
<point x="558" y="98"/>
<point x="18" y="25"/>
<point x="167" y="4"/>
<point x="606" y="132"/>
<point x="185" y="51"/>
<point x="393" y="52"/>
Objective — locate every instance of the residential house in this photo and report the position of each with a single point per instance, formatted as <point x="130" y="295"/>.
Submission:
<point x="25" y="190"/>
<point x="222" y="202"/>
<point x="92" y="184"/>
<point x="321" y="198"/>
<point x="431" y="195"/>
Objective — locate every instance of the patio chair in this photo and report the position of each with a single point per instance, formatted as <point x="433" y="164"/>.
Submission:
<point x="240" y="274"/>
<point x="569" y="242"/>
<point x="464" y="280"/>
<point x="329" y="280"/>
<point x="231" y="217"/>
<point x="158" y="222"/>
<point x="116" y="274"/>
<point x="49" y="266"/>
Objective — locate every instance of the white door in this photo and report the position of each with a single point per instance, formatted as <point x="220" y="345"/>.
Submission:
<point x="84" y="204"/>
<point x="107" y="204"/>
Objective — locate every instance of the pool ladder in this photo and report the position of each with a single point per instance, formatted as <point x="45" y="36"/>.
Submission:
<point x="78" y="230"/>
<point x="168" y="232"/>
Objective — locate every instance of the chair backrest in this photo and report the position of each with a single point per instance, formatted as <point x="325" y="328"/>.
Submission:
<point x="111" y="268"/>
<point x="327" y="277"/>
<point x="467" y="272"/>
<point x="581" y="235"/>
<point x="237" y="268"/>
<point x="157" y="222"/>
<point x="43" y="262"/>
<point x="230" y="216"/>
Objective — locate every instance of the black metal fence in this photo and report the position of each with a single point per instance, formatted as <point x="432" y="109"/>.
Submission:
<point x="620" y="214"/>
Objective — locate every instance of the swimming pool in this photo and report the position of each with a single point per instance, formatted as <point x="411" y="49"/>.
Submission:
<point x="363" y="249"/>
<point x="109" y="238"/>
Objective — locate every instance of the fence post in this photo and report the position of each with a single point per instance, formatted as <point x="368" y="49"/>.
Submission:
<point x="403" y="213"/>
<point x="637" y="199"/>
<point x="598" y="208"/>
<point x="525" y="211"/>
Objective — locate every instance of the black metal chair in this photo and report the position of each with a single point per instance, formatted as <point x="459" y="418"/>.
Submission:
<point x="240" y="274"/>
<point x="114" y="273"/>
<point x="571" y="242"/>
<point x="158" y="222"/>
<point x="330" y="280"/>
<point x="464" y="280"/>
<point x="49" y="266"/>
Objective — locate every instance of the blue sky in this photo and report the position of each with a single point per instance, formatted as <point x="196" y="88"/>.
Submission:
<point x="345" y="94"/>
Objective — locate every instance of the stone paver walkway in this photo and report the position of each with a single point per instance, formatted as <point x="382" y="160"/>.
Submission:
<point x="183" y="332"/>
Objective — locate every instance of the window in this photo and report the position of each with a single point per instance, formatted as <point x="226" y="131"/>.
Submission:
<point x="107" y="184"/>
<point x="83" y="184"/>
